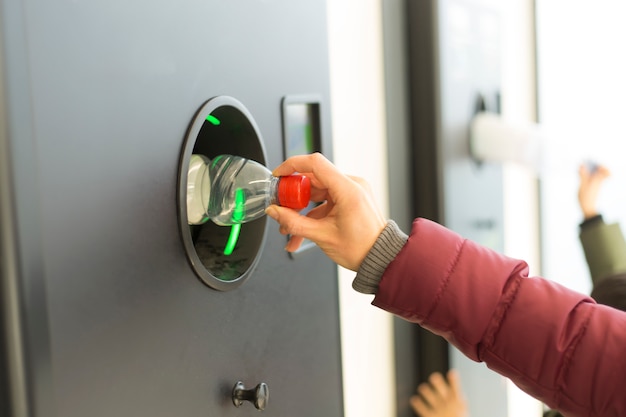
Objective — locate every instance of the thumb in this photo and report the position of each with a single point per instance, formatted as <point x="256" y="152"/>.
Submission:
<point x="293" y="223"/>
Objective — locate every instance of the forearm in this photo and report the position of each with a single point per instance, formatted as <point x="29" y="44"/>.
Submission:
<point x="532" y="330"/>
<point x="604" y="247"/>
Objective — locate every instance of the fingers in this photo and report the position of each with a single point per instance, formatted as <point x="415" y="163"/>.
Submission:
<point x="583" y="172"/>
<point x="292" y="223"/>
<point x="304" y="164"/>
<point x="345" y="226"/>
<point x="435" y="390"/>
<point x="591" y="180"/>
<point x="318" y="195"/>
<point x="603" y="172"/>
<point x="420" y="407"/>
<point x="295" y="242"/>
<point x="320" y="170"/>
<point x="429" y="393"/>
<point x="454" y="381"/>
<point x="427" y="402"/>
<point x="440" y="398"/>
<point x="439" y="384"/>
<point x="598" y="172"/>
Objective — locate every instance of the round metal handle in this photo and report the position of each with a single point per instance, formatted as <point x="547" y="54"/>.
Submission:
<point x="259" y="395"/>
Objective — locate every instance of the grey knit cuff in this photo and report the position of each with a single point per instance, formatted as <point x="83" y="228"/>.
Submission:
<point x="385" y="249"/>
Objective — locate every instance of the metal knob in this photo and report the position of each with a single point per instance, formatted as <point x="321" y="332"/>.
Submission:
<point x="259" y="396"/>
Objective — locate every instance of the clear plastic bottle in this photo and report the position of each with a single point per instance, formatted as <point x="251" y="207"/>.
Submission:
<point x="232" y="190"/>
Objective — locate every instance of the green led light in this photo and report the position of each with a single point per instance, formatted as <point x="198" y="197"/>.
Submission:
<point x="215" y="160"/>
<point x="240" y="201"/>
<point x="213" y="120"/>
<point x="232" y="239"/>
<point x="238" y="214"/>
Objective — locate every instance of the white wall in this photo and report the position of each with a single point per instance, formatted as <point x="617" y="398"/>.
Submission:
<point x="359" y="147"/>
<point x="582" y="70"/>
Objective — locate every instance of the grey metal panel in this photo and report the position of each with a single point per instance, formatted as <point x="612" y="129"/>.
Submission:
<point x="469" y="35"/>
<point x="114" y="86"/>
<point x="26" y="354"/>
<point x="401" y="181"/>
<point x="469" y="65"/>
<point x="455" y="57"/>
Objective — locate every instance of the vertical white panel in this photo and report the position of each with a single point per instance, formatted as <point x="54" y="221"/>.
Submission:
<point x="359" y="147"/>
<point x="582" y="87"/>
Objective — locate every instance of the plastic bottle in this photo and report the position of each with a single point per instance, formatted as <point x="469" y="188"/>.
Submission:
<point x="232" y="190"/>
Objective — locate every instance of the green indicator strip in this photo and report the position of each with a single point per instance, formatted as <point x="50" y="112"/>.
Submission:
<point x="213" y="120"/>
<point x="240" y="206"/>
<point x="232" y="239"/>
<point x="238" y="215"/>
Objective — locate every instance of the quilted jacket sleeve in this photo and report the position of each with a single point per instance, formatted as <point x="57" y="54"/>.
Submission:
<point x="555" y="344"/>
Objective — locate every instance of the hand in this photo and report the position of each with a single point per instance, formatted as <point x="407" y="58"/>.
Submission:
<point x="346" y="224"/>
<point x="438" y="398"/>
<point x="590" y="182"/>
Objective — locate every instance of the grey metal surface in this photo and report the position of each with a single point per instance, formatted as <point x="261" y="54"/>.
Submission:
<point x="111" y="87"/>
<point x="469" y="35"/>
<point x="401" y="163"/>
<point x="455" y="56"/>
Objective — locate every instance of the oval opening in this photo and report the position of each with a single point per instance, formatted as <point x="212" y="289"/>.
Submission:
<point x="221" y="126"/>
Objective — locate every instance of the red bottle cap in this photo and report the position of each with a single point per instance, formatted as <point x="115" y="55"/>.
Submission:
<point x="294" y="191"/>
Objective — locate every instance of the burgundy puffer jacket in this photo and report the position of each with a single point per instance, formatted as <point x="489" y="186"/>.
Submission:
<point x="557" y="345"/>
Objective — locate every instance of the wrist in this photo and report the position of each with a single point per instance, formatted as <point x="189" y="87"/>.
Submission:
<point x="588" y="214"/>
<point x="387" y="246"/>
<point x="591" y="221"/>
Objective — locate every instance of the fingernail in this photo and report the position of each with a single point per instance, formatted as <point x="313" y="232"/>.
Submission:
<point x="272" y="212"/>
